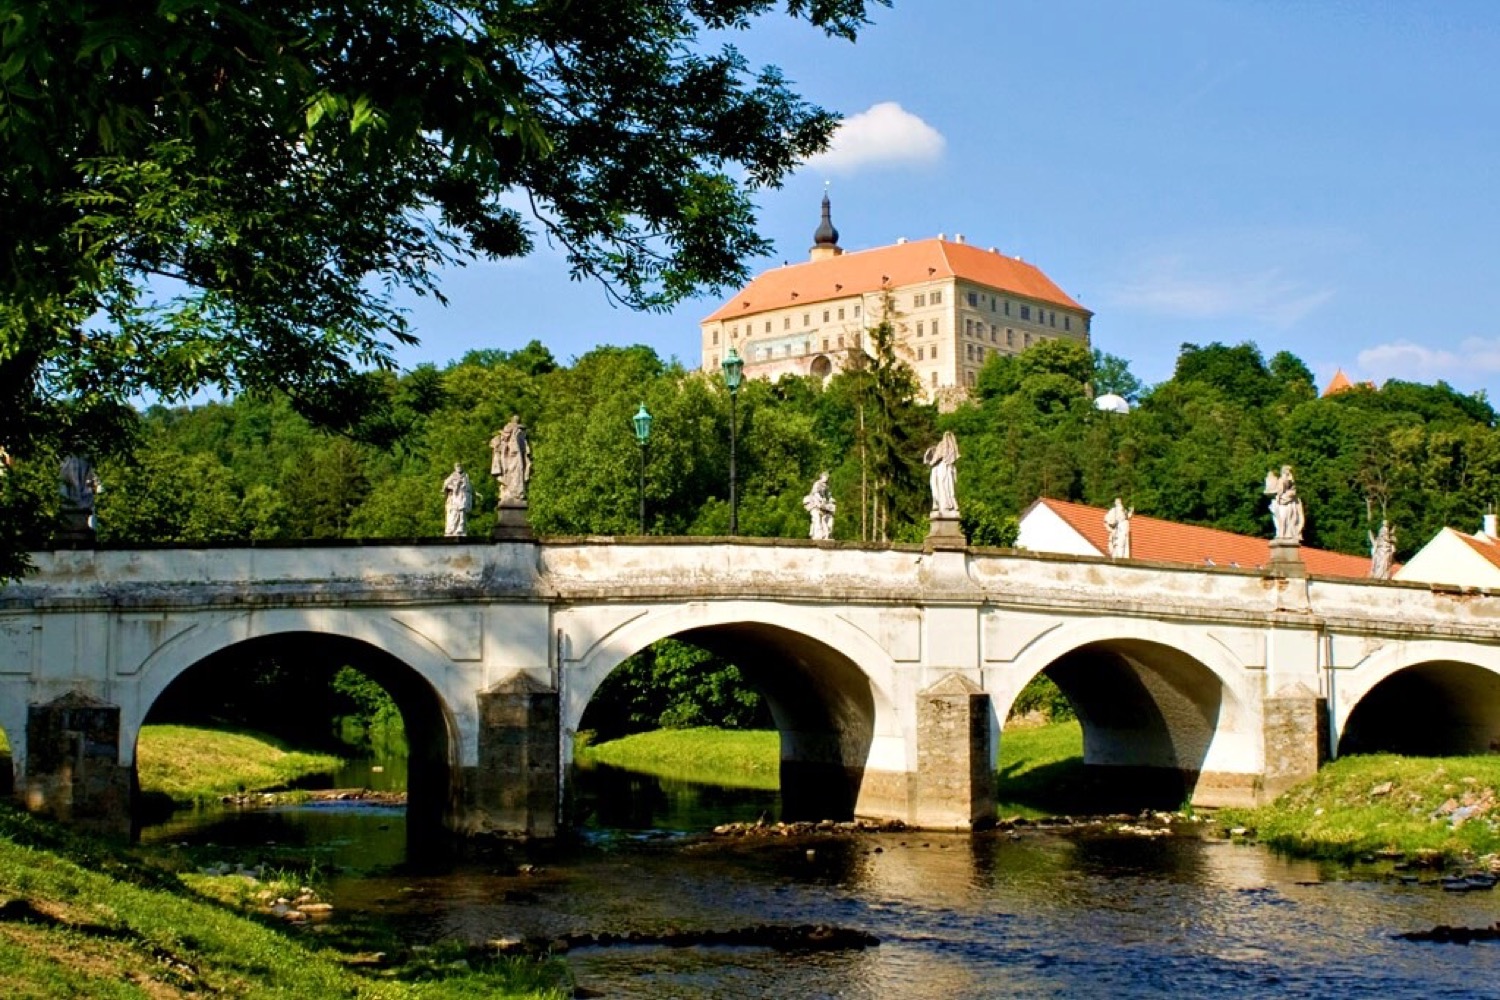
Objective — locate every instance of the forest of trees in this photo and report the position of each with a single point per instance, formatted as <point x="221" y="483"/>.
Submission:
<point x="1194" y="448"/>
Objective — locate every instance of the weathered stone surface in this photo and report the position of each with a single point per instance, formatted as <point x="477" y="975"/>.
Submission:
<point x="516" y="788"/>
<point x="955" y="783"/>
<point x="72" y="768"/>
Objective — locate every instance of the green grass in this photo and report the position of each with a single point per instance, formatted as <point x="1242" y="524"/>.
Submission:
<point x="83" y="918"/>
<point x="4" y="743"/>
<point x="728" y="757"/>
<point x="1346" y="811"/>
<point x="189" y="764"/>
<point x="1041" y="770"/>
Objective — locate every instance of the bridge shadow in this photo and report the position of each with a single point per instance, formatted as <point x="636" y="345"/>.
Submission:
<point x="821" y="704"/>
<point x="1435" y="709"/>
<point x="1148" y="713"/>
<point x="281" y="685"/>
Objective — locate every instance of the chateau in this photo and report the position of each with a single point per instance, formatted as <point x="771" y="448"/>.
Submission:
<point x="952" y="304"/>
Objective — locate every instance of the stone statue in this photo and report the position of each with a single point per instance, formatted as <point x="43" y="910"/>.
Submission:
<point x="1117" y="520"/>
<point x="942" y="458"/>
<point x="511" y="463"/>
<point x="1286" y="509"/>
<point x="80" y="486"/>
<point x="458" y="494"/>
<point x="820" y="504"/>
<point x="1382" y="551"/>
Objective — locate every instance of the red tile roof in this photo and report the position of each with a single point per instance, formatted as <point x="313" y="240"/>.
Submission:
<point x="1339" y="383"/>
<point x="1485" y="546"/>
<point x="1167" y="541"/>
<point x="897" y="265"/>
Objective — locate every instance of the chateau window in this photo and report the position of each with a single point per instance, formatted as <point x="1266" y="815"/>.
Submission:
<point x="973" y="300"/>
<point x="841" y="340"/>
<point x="1052" y="320"/>
<point x="994" y="333"/>
<point x="807" y="319"/>
<point x="716" y="338"/>
<point x="856" y="340"/>
<point x="856" y="312"/>
<point x="969" y="351"/>
<point x="919" y="328"/>
<point x="1027" y="341"/>
<point x="970" y="376"/>
<point x="1067" y="322"/>
<point x="934" y="352"/>
<point x="934" y="378"/>
<point x="786" y="322"/>
<point x="1010" y="337"/>
<point x="825" y="343"/>
<point x="768" y="326"/>
<point x="937" y="298"/>
<point x="734" y="331"/>
<point x="1007" y="307"/>
<point x="1025" y="312"/>
<point x="919" y="300"/>
<point x="919" y="353"/>
<point x="841" y="312"/>
<point x="825" y="315"/>
<point x="992" y="303"/>
<point x="934" y="327"/>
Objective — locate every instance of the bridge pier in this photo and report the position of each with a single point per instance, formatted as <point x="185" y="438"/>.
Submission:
<point x="515" y="788"/>
<point x="955" y="777"/>
<point x="73" y="771"/>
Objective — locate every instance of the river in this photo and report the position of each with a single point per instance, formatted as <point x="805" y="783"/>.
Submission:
<point x="1034" y="912"/>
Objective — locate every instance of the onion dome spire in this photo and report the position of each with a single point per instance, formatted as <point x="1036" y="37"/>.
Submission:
<point x="825" y="237"/>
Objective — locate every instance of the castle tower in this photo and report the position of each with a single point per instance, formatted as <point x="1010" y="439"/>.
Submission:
<point x="825" y="238"/>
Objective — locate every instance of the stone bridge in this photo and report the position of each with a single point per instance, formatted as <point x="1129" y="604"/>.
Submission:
<point x="889" y="671"/>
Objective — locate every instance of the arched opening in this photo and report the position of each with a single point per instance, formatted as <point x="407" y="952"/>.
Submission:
<point x="822" y="706"/>
<point x="299" y="688"/>
<point x="821" y="366"/>
<point x="1146" y="714"/>
<point x="1441" y="708"/>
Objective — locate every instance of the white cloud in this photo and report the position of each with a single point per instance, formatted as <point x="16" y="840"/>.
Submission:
<point x="1167" y="287"/>
<point x="1414" y="362"/>
<point x="886" y="135"/>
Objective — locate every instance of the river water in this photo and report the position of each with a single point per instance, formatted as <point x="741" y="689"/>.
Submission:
<point x="1032" y="913"/>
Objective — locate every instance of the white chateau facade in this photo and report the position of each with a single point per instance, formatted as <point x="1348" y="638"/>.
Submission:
<point x="953" y="305"/>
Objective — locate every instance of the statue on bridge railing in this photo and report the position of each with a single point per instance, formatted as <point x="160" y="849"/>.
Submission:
<point x="1382" y="551"/>
<point x="1286" y="509"/>
<point x="942" y="458"/>
<point x="458" y="500"/>
<point x="820" y="504"/>
<point x="511" y="463"/>
<point x="80" y="487"/>
<point x="1117" y="520"/>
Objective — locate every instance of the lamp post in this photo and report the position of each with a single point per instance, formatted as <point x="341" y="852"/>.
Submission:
<point x="733" y="366"/>
<point x="642" y="421"/>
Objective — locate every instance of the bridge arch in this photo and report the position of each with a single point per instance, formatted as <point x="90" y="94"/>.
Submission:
<point x="829" y="687"/>
<point x="1421" y="698"/>
<point x="1165" y="704"/>
<point x="420" y="678"/>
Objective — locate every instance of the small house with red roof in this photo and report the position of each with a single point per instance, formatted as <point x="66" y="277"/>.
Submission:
<point x="1069" y="528"/>
<point x="1458" y="559"/>
<point x="953" y="306"/>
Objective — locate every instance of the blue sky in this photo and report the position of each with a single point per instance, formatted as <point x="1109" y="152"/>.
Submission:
<point x="1315" y="177"/>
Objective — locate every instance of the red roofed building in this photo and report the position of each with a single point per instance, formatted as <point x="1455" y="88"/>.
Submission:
<point x="1458" y="559"/>
<point x="1078" y="529"/>
<point x="954" y="304"/>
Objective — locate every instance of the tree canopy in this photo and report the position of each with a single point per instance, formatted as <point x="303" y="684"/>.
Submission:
<point x="225" y="195"/>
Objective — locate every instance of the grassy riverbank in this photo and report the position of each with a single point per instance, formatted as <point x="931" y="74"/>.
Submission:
<point x="1364" y="804"/>
<point x="734" y="758"/>
<point x="189" y="764"/>
<point x="86" y="918"/>
<point x="1038" y="765"/>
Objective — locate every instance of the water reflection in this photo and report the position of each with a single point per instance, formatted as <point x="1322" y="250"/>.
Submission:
<point x="1031" y="914"/>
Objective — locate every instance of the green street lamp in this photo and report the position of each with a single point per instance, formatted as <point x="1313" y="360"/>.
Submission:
<point x="642" y="421"/>
<point x="734" y="367"/>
